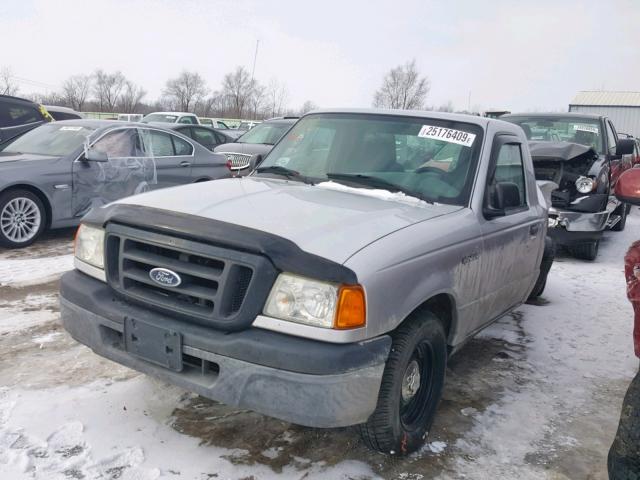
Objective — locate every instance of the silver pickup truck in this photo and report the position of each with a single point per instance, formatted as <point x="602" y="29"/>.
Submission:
<point x="330" y="286"/>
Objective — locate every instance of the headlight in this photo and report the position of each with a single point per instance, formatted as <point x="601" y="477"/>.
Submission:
<point x="89" y="246"/>
<point x="585" y="184"/>
<point x="312" y="302"/>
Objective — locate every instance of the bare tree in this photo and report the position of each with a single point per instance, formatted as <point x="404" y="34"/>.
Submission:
<point x="75" y="91"/>
<point x="107" y="88"/>
<point x="307" y="107"/>
<point x="130" y="97"/>
<point x="278" y="96"/>
<point x="237" y="86"/>
<point x="402" y="88"/>
<point x="257" y="99"/>
<point x="186" y="90"/>
<point x="8" y="86"/>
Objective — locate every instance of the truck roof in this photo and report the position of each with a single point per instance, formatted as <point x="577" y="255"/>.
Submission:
<point x="456" y="117"/>
<point x="589" y="116"/>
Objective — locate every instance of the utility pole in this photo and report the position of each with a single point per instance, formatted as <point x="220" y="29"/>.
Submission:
<point x="469" y="104"/>
<point x="255" y="58"/>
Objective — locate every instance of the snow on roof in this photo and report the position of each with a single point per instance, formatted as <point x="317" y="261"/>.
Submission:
<point x="604" y="98"/>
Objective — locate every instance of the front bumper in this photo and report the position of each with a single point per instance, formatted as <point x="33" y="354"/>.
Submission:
<point x="298" y="380"/>
<point x="569" y="227"/>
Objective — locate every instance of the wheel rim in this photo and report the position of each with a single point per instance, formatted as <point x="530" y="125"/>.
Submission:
<point x="20" y="219"/>
<point x="417" y="388"/>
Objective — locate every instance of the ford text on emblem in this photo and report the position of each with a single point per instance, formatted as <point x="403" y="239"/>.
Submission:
<point x="165" y="277"/>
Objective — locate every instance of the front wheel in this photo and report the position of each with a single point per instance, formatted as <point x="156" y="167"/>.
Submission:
<point x="22" y="218"/>
<point x="411" y="387"/>
<point x="622" y="210"/>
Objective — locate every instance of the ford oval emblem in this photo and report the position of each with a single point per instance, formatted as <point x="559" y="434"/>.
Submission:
<point x="165" y="277"/>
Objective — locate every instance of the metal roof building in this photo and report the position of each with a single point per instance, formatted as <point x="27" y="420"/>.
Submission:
<point x="623" y="108"/>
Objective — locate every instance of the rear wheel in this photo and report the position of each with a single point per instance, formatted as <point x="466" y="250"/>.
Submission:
<point x="622" y="210"/>
<point x="411" y="388"/>
<point x="22" y="218"/>
<point x="585" y="251"/>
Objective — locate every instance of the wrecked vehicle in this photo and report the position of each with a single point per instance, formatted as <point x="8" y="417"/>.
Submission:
<point x="329" y="287"/>
<point x="583" y="155"/>
<point x="54" y="174"/>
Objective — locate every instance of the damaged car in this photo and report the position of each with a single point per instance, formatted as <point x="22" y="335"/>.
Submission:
<point x="54" y="174"/>
<point x="582" y="154"/>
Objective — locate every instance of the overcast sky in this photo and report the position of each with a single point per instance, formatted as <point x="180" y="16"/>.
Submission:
<point x="529" y="55"/>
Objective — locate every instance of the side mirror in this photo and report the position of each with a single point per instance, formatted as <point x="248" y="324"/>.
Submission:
<point x="92" y="155"/>
<point x="505" y="195"/>
<point x="255" y="161"/>
<point x="628" y="186"/>
<point x="625" y="146"/>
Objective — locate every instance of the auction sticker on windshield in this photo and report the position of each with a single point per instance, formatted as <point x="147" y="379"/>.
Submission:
<point x="586" y="128"/>
<point x="449" y="135"/>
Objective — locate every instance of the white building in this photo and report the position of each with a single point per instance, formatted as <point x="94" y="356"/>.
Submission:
<point x="623" y="108"/>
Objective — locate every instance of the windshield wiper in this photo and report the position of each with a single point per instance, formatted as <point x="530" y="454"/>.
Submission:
<point x="376" y="182"/>
<point x="285" y="172"/>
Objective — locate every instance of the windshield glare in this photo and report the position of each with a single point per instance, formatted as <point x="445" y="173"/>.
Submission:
<point x="584" y="131"/>
<point x="158" y="117"/>
<point x="54" y="139"/>
<point x="436" y="159"/>
<point x="266" y="133"/>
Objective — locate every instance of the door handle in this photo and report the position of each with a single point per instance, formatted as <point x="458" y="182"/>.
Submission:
<point x="184" y="163"/>
<point x="534" y="229"/>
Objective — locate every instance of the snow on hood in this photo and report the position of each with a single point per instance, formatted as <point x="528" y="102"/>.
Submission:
<point x="331" y="222"/>
<point x="374" y="192"/>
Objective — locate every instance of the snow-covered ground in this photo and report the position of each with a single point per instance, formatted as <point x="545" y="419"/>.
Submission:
<point x="535" y="396"/>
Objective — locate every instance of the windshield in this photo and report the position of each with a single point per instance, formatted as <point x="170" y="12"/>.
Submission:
<point x="433" y="159"/>
<point x="54" y="139"/>
<point x="160" y="117"/>
<point x="265" y="133"/>
<point x="584" y="131"/>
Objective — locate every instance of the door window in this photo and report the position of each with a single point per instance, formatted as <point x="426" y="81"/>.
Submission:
<point x="189" y="120"/>
<point x="157" y="144"/>
<point x="182" y="147"/>
<point x="12" y="115"/>
<point x="120" y="144"/>
<point x="509" y="168"/>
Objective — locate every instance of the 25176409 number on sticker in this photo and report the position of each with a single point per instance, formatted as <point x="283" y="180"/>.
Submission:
<point x="447" y="135"/>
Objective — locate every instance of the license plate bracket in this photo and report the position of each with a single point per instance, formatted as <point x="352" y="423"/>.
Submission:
<point x="154" y="344"/>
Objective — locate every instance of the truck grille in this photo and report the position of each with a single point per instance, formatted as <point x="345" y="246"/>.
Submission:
<point x="215" y="282"/>
<point x="237" y="161"/>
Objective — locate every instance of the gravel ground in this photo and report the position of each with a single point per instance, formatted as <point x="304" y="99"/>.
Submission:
<point x="535" y="396"/>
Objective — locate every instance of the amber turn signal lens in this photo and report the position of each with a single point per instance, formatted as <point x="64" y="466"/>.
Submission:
<point x="351" y="311"/>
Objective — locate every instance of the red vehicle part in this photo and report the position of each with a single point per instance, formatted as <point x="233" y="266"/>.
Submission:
<point x="632" y="275"/>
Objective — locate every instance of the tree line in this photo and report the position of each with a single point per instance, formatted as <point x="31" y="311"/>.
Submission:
<point x="239" y="96"/>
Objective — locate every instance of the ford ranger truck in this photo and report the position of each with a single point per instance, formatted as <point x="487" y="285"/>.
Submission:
<point x="584" y="156"/>
<point x="330" y="286"/>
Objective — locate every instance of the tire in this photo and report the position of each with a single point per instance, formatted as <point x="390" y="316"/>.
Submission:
<point x="622" y="210"/>
<point x="404" y="414"/>
<point x="545" y="265"/>
<point x="623" y="461"/>
<point x="585" y="251"/>
<point x="32" y="222"/>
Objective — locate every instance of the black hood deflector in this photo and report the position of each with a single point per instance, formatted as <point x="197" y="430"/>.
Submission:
<point x="283" y="253"/>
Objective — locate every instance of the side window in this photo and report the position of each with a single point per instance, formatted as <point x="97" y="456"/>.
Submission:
<point x="119" y="144"/>
<point x="157" y="144"/>
<point x="11" y="115"/>
<point x="220" y="139"/>
<point x="182" y="147"/>
<point x="612" y="138"/>
<point x="188" y="120"/>
<point x="204" y="137"/>
<point x="186" y="131"/>
<point x="509" y="168"/>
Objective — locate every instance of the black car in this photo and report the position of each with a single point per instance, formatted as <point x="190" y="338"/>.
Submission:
<point x="19" y="115"/>
<point x="583" y="155"/>
<point x="257" y="141"/>
<point x="208" y="137"/>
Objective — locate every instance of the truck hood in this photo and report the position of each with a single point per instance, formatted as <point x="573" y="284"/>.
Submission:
<point x="332" y="223"/>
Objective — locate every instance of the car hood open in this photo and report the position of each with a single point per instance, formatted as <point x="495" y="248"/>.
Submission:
<point x="328" y="222"/>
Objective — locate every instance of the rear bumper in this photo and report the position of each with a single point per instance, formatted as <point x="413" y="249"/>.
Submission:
<point x="297" y="380"/>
